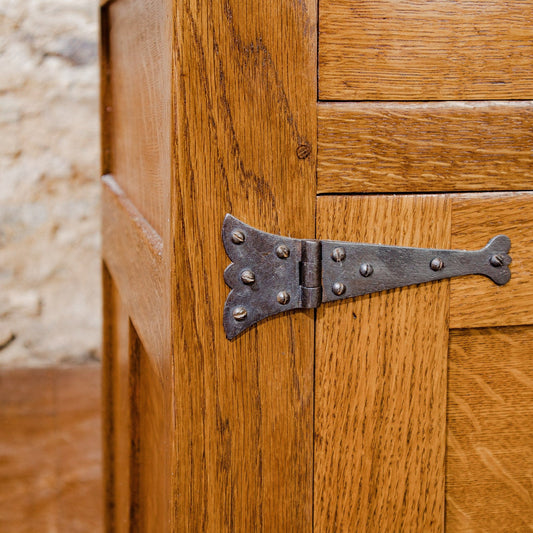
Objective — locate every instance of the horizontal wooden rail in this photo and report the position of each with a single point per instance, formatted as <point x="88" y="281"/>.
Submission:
<point x="418" y="147"/>
<point x="133" y="253"/>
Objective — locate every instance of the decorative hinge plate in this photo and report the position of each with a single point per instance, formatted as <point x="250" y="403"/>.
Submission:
<point x="270" y="274"/>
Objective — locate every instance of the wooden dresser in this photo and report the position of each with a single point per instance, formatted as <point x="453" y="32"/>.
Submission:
<point x="401" y="122"/>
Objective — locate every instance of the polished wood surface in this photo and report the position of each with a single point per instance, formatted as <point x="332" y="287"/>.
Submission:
<point x="489" y="458"/>
<point x="424" y="147"/>
<point x="245" y="100"/>
<point x="138" y="367"/>
<point x="476" y="301"/>
<point x="138" y="102"/>
<point x="50" y="450"/>
<point x="148" y="471"/>
<point x="380" y="379"/>
<point x="338" y="425"/>
<point x="117" y="420"/>
<point x="417" y="50"/>
<point x="227" y="131"/>
<point x="133" y="251"/>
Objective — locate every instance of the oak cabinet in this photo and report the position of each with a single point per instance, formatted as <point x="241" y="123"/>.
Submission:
<point x="399" y="122"/>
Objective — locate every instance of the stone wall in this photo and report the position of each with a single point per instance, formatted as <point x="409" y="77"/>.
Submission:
<point x="49" y="188"/>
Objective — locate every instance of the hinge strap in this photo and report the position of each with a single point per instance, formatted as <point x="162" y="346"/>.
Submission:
<point x="270" y="274"/>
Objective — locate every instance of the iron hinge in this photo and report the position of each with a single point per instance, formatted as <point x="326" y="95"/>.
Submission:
<point x="270" y="274"/>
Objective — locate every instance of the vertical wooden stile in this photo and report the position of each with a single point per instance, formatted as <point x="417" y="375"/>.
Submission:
<point x="244" y="89"/>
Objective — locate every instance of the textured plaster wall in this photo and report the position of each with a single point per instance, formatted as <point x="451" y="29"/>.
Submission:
<point x="49" y="191"/>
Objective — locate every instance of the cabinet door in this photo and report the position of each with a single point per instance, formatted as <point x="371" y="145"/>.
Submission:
<point x="423" y="395"/>
<point x="408" y="410"/>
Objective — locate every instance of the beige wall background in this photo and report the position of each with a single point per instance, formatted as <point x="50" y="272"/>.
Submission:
<point x="49" y="187"/>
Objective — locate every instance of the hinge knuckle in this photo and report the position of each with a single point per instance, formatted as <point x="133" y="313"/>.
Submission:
<point x="311" y="297"/>
<point x="311" y="269"/>
<point x="311" y="274"/>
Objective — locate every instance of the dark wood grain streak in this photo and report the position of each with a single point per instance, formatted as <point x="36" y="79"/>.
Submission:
<point x="418" y="147"/>
<point x="245" y="100"/>
<point x="108" y="397"/>
<point x="490" y="431"/>
<point x="416" y="50"/>
<point x="106" y="136"/>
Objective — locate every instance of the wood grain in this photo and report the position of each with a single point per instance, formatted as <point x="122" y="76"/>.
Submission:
<point x="136" y="93"/>
<point x="245" y="100"/>
<point x="136" y="380"/>
<point x="417" y="147"/>
<point x="117" y="410"/>
<point x="148" y="467"/>
<point x="490" y="431"/>
<point x="417" y="50"/>
<point x="380" y="379"/>
<point x="50" y="450"/>
<point x="139" y="100"/>
<point x="133" y="253"/>
<point x="109" y="315"/>
<point x="475" y="301"/>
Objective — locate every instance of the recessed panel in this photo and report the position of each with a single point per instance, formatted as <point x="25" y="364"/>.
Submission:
<point x="425" y="50"/>
<point x="489" y="457"/>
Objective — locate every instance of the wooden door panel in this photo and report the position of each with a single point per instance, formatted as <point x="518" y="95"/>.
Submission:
<point x="117" y="414"/>
<point x="137" y="111"/>
<point x="424" y="147"/>
<point x="208" y="107"/>
<point x="420" y="50"/>
<point x="136" y="161"/>
<point x="380" y="379"/>
<point x="149" y="466"/>
<point x="489" y="455"/>
<point x="380" y="376"/>
<point x="136" y="422"/>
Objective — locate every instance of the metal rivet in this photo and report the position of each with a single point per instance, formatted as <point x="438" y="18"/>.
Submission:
<point x="338" y="288"/>
<point x="282" y="251"/>
<point x="237" y="237"/>
<point x="436" y="264"/>
<point x="283" y="297"/>
<point x="247" y="277"/>
<point x="239" y="313"/>
<point x="497" y="260"/>
<point x="366" y="270"/>
<point x="338" y="255"/>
